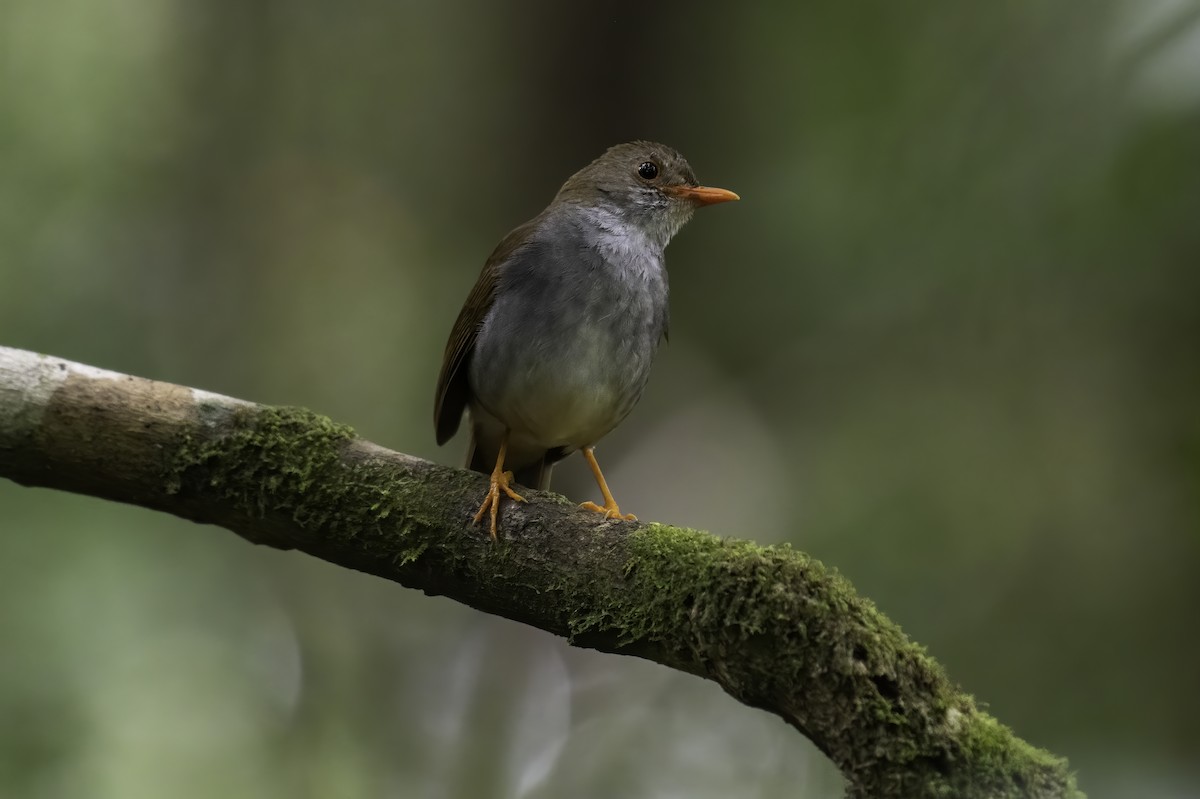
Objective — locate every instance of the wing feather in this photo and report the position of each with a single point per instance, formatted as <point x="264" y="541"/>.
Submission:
<point x="453" y="388"/>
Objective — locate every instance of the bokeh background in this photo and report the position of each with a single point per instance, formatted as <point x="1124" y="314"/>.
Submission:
<point x="949" y="343"/>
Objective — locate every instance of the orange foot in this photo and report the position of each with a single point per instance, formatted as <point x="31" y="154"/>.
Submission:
<point x="500" y="482"/>
<point x="609" y="509"/>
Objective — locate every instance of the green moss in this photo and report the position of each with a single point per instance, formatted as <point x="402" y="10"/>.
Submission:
<point x="777" y="628"/>
<point x="699" y="597"/>
<point x="266" y="459"/>
<point x="676" y="579"/>
<point x="1022" y="769"/>
<point x="291" y="461"/>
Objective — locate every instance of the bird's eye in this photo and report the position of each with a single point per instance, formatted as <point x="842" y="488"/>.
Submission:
<point x="648" y="170"/>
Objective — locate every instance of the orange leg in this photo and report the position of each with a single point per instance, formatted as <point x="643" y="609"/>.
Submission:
<point x="610" y="509"/>
<point x="500" y="482"/>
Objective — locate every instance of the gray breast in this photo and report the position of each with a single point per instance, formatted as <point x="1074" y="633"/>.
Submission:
<point x="566" y="350"/>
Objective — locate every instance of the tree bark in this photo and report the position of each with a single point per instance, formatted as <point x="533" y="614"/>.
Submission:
<point x="773" y="627"/>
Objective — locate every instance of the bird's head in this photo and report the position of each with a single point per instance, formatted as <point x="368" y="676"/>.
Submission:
<point x="643" y="184"/>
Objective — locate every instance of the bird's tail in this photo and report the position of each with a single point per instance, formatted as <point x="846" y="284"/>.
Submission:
<point x="534" y="475"/>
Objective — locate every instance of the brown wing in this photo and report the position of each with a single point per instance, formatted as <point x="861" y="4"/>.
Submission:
<point x="453" y="392"/>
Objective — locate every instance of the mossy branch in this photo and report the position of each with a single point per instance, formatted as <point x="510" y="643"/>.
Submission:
<point x="773" y="627"/>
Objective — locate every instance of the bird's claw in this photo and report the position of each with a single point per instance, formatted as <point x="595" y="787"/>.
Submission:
<point x="500" y="482"/>
<point x="609" y="511"/>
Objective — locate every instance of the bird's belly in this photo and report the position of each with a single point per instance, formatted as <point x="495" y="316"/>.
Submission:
<point x="569" y="409"/>
<point x="569" y="391"/>
<point x="565" y="350"/>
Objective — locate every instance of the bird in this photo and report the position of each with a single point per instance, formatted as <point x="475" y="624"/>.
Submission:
<point x="553" y="346"/>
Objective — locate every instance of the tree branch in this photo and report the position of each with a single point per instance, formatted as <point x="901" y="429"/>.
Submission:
<point x="773" y="627"/>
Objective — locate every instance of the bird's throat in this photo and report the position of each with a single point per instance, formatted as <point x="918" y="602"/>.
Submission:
<point x="618" y="237"/>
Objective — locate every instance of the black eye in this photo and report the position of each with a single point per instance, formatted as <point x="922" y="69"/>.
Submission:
<point x="648" y="170"/>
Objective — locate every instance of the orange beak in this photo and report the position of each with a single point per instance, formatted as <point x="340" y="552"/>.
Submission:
<point x="702" y="195"/>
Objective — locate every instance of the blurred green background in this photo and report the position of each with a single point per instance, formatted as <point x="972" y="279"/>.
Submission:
<point x="949" y="342"/>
